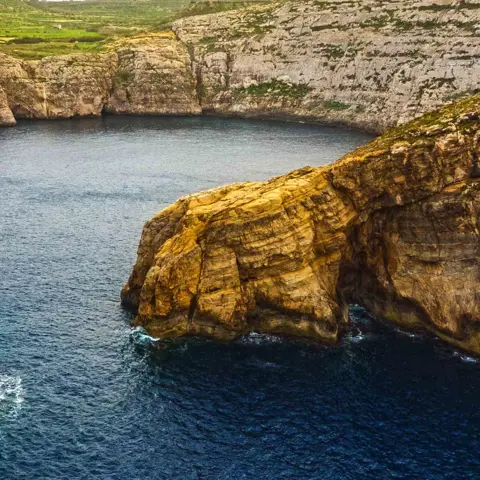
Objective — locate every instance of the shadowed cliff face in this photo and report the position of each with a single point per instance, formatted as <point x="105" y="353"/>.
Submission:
<point x="393" y="226"/>
<point x="419" y="265"/>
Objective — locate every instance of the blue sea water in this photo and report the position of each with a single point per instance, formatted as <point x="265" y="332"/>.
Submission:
<point x="84" y="396"/>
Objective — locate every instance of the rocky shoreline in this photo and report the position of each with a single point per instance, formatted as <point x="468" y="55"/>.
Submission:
<point x="362" y="64"/>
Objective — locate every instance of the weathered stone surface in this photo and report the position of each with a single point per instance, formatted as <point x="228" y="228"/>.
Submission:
<point x="57" y="87"/>
<point x="153" y="76"/>
<point x="363" y="62"/>
<point x="393" y="226"/>
<point x="420" y="265"/>
<point x="149" y="74"/>
<point x="6" y="116"/>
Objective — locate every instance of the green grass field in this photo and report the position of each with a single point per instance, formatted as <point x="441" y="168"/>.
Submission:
<point x="32" y="29"/>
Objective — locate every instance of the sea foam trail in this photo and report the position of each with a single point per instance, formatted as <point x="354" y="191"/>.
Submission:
<point x="140" y="337"/>
<point x="12" y="395"/>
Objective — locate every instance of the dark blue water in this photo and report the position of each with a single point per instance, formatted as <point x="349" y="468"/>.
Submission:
<point x="81" y="397"/>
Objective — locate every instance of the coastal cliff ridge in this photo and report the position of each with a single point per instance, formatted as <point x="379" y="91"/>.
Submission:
<point x="371" y="65"/>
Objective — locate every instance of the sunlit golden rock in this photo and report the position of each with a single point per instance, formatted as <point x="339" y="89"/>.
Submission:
<point x="393" y="226"/>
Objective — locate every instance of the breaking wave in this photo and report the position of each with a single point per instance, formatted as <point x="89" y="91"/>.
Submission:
<point x="139" y="336"/>
<point x="12" y="395"/>
<point x="465" y="358"/>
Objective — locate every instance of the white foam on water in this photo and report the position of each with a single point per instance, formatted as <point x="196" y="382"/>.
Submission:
<point x="465" y="358"/>
<point x="141" y="337"/>
<point x="259" y="338"/>
<point x="407" y="333"/>
<point x="12" y="394"/>
<point x="357" y="335"/>
<point x="356" y="338"/>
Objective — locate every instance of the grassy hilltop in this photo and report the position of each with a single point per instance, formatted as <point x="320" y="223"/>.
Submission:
<point x="33" y="29"/>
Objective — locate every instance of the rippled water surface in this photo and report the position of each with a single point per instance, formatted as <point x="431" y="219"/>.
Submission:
<point x="84" y="397"/>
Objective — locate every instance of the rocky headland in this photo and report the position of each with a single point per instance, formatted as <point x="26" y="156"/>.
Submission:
<point x="368" y="64"/>
<point x="393" y="226"/>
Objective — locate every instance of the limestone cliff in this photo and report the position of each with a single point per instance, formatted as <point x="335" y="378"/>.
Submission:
<point x="365" y="63"/>
<point x="149" y="74"/>
<point x="362" y="62"/>
<point x="153" y="76"/>
<point x="57" y="87"/>
<point x="393" y="226"/>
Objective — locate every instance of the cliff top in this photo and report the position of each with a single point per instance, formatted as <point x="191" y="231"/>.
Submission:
<point x="456" y="116"/>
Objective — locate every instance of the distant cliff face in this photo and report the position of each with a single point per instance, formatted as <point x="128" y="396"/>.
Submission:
<point x="153" y="76"/>
<point x="394" y="226"/>
<point x="57" y="87"/>
<point x="145" y="75"/>
<point x="366" y="63"/>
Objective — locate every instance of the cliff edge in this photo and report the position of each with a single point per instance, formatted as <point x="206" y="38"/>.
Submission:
<point x="393" y="226"/>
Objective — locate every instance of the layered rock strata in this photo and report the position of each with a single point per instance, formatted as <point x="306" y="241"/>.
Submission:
<point x="364" y="63"/>
<point x="57" y="87"/>
<point x="149" y="74"/>
<point x="393" y="226"/>
<point x="153" y="76"/>
<point x="361" y="62"/>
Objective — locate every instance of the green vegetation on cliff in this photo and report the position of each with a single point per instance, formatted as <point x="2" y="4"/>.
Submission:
<point x="275" y="88"/>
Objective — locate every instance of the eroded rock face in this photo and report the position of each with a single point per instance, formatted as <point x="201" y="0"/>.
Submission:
<point x="6" y="116"/>
<point x="393" y="226"/>
<point x="57" y="87"/>
<point x="420" y="265"/>
<point x="365" y="63"/>
<point x="149" y="74"/>
<point x="362" y="62"/>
